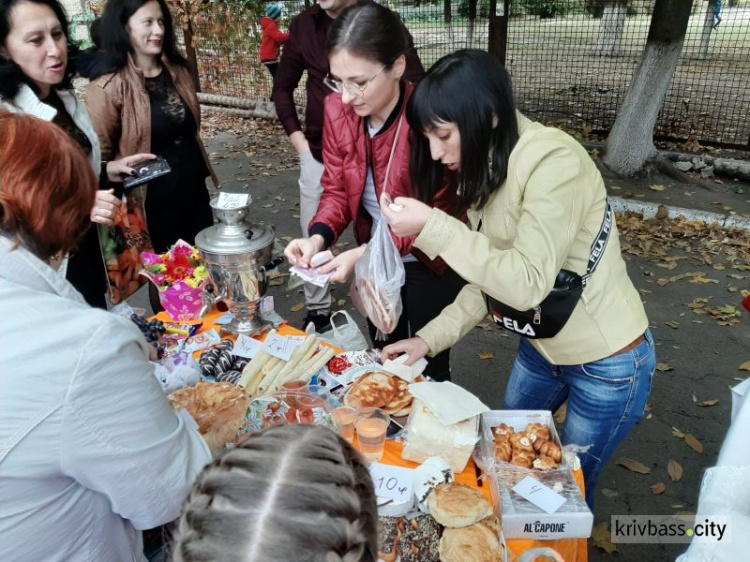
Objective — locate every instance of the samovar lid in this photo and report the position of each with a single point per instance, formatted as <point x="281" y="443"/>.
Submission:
<point x="233" y="234"/>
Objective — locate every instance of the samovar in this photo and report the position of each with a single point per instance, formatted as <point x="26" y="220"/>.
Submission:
<point x="238" y="257"/>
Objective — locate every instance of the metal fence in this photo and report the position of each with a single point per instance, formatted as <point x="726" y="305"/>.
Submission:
<point x="576" y="67"/>
<point x="571" y="61"/>
<point x="227" y="41"/>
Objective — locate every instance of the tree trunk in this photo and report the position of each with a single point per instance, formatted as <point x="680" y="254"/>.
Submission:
<point x="611" y="28"/>
<point x="472" y="21"/>
<point x="630" y="144"/>
<point x="447" y="16"/>
<point x="192" y="57"/>
<point x="708" y="27"/>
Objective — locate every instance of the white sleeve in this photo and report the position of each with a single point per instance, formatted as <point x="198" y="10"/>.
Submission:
<point x="120" y="437"/>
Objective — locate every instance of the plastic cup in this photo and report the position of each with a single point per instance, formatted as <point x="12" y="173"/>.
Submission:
<point x="295" y="386"/>
<point x="345" y="418"/>
<point x="372" y="425"/>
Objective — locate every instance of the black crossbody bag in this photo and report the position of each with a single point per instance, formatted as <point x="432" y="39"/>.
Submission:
<point x="551" y="315"/>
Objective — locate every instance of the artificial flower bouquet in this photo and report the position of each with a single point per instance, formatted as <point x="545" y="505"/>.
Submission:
<point x="180" y="276"/>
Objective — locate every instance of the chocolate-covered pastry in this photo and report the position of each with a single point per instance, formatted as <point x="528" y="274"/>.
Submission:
<point x="420" y="541"/>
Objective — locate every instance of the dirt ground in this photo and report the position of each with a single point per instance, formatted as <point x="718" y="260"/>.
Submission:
<point x="701" y="344"/>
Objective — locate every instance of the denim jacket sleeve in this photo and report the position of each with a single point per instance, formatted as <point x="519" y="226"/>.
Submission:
<point x="120" y="436"/>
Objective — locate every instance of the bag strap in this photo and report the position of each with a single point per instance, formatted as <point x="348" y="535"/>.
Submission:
<point x="393" y="150"/>
<point x="597" y="247"/>
<point x="599" y="244"/>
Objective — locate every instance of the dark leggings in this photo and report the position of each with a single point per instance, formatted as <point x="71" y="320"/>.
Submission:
<point x="272" y="66"/>
<point x="424" y="295"/>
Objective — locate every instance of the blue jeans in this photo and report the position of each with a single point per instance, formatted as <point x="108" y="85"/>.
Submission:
<point x="606" y="398"/>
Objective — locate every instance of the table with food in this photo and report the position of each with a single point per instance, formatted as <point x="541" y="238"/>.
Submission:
<point x="455" y="480"/>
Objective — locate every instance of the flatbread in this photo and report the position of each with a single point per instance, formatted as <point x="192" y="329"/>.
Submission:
<point x="457" y="505"/>
<point x="475" y="543"/>
<point x="373" y="390"/>
<point x="403" y="397"/>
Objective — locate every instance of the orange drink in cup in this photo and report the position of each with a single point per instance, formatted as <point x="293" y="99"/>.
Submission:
<point x="371" y="426"/>
<point x="345" y="418"/>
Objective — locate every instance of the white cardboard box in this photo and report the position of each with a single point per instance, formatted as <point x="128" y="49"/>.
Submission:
<point x="520" y="518"/>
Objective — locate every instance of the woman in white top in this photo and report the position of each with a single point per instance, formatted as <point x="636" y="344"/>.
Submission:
<point x="35" y="79"/>
<point x="90" y="451"/>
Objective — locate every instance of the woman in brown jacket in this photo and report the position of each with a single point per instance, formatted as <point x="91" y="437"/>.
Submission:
<point x="141" y="98"/>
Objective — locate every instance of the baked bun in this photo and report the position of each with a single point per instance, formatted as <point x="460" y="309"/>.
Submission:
<point x="549" y="449"/>
<point x="457" y="505"/>
<point x="475" y="543"/>
<point x="523" y="459"/>
<point x="218" y="408"/>
<point x="521" y="442"/>
<point x="503" y="451"/>
<point x="502" y="432"/>
<point x="538" y="431"/>
<point x="545" y="463"/>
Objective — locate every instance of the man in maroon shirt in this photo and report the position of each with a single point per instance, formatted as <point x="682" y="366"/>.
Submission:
<point x="306" y="49"/>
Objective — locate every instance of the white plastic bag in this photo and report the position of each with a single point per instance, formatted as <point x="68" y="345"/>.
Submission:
<point x="379" y="276"/>
<point x="345" y="334"/>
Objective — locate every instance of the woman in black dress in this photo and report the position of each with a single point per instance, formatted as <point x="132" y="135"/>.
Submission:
<point x="142" y="98"/>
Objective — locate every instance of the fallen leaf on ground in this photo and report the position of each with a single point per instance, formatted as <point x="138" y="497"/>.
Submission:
<point x="657" y="187"/>
<point x="486" y="355"/>
<point x="561" y="414"/>
<point x="695" y="398"/>
<point x="341" y="302"/>
<point x="658" y="488"/>
<point x="672" y="324"/>
<point x="633" y="466"/>
<point x="663" y="367"/>
<point x="297" y="307"/>
<point x="485" y="327"/>
<point x="745" y="366"/>
<point x="675" y="470"/>
<point x="601" y="536"/>
<point x="693" y="443"/>
<point x="667" y="265"/>
<point x="709" y="403"/>
<point x="677" y="433"/>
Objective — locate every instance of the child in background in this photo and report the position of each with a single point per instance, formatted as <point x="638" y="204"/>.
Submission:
<point x="272" y="38"/>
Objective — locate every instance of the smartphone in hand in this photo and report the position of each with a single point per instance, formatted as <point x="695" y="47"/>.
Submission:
<point x="146" y="172"/>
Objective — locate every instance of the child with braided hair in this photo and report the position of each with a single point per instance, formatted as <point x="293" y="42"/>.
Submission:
<point x="287" y="493"/>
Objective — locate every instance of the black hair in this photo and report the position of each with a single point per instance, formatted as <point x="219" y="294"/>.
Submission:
<point x="471" y="89"/>
<point x="11" y="75"/>
<point x="112" y="42"/>
<point x="369" y="30"/>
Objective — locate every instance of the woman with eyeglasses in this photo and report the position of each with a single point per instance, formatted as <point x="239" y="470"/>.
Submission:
<point x="365" y="138"/>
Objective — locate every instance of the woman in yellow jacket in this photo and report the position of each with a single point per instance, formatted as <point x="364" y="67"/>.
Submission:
<point x="537" y="206"/>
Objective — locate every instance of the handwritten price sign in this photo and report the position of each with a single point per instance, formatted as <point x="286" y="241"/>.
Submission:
<point x="393" y="482"/>
<point x="283" y="346"/>
<point x="540" y="495"/>
<point x="232" y="200"/>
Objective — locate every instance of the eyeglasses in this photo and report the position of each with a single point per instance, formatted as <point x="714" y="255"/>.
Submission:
<point x="355" y="89"/>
